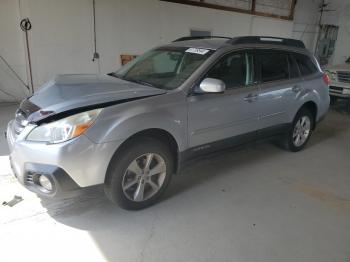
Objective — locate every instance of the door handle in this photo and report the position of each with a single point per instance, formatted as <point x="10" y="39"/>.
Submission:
<point x="296" y="88"/>
<point x="251" y="98"/>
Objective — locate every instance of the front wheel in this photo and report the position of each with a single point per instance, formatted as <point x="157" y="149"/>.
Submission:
<point x="300" y="131"/>
<point x="139" y="174"/>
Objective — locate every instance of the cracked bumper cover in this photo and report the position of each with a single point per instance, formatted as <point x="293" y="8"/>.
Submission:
<point x="62" y="183"/>
<point x="70" y="165"/>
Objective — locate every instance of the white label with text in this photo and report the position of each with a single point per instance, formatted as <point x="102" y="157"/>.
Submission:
<point x="198" y="51"/>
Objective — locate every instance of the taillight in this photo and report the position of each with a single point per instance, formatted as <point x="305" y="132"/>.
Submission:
<point x="326" y="79"/>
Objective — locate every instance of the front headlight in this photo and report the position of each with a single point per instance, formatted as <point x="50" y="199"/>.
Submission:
<point x="64" y="129"/>
<point x="332" y="75"/>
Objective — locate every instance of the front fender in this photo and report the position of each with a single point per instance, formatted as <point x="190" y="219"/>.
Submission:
<point x="167" y="112"/>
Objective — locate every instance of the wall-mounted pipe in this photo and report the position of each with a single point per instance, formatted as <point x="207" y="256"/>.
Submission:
<point x="26" y="25"/>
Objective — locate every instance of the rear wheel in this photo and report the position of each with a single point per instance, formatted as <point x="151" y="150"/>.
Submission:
<point x="139" y="174"/>
<point x="299" y="133"/>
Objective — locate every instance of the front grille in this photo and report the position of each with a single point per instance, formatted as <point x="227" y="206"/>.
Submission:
<point x="336" y="89"/>
<point x="343" y="76"/>
<point x="30" y="178"/>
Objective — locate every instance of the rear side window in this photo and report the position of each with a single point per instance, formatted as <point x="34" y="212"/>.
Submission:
<point x="293" y="67"/>
<point x="274" y="66"/>
<point x="306" y="66"/>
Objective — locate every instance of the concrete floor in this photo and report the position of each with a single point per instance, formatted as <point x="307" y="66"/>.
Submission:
<point x="256" y="204"/>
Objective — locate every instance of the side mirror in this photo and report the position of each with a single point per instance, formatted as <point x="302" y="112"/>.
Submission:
<point x="210" y="85"/>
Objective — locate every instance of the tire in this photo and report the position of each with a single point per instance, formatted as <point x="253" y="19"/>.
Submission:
<point x="129" y="183"/>
<point x="290" y="141"/>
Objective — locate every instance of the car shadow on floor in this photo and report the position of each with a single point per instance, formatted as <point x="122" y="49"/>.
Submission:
<point x="336" y="122"/>
<point x="342" y="106"/>
<point x="114" y="230"/>
<point x="195" y="173"/>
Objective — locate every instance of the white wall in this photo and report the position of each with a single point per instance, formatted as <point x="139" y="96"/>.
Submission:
<point x="341" y="17"/>
<point x="12" y="50"/>
<point x="306" y="25"/>
<point x="306" y="20"/>
<point x="342" y="49"/>
<point x="62" y="36"/>
<point x="271" y="27"/>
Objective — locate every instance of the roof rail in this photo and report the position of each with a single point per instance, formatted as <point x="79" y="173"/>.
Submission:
<point x="250" y="40"/>
<point x="186" y="38"/>
<point x="266" y="40"/>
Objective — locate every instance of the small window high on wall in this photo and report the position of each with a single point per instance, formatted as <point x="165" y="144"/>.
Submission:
<point x="282" y="9"/>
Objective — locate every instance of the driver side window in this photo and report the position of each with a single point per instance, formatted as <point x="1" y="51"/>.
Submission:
<point x="234" y="70"/>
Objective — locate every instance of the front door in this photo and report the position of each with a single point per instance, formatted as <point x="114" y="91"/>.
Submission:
<point x="232" y="114"/>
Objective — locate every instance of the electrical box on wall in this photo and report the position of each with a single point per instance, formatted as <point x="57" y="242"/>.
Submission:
<point x="326" y="44"/>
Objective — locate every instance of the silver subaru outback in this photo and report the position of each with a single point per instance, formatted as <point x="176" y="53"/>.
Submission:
<point x="132" y="129"/>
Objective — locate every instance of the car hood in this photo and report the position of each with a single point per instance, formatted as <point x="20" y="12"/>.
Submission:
<point x="74" y="93"/>
<point x="341" y="67"/>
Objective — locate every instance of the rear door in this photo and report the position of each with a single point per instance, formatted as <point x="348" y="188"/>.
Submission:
<point x="308" y="70"/>
<point x="215" y="117"/>
<point x="279" y="82"/>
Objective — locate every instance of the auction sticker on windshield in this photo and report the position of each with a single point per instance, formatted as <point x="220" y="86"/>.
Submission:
<point x="198" y="51"/>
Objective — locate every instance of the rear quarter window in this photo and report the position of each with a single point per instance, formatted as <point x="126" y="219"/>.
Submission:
<point x="305" y="64"/>
<point x="293" y="67"/>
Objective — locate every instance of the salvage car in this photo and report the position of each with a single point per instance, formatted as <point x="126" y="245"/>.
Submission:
<point x="132" y="129"/>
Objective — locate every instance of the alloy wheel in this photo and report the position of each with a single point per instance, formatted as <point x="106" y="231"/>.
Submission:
<point x="144" y="177"/>
<point x="301" y="131"/>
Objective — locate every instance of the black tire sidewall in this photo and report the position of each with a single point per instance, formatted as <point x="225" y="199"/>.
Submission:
<point x="121" y="161"/>
<point x="301" y="113"/>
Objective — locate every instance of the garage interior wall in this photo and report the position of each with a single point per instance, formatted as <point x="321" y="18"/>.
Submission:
<point x="11" y="49"/>
<point x="340" y="17"/>
<point x="61" y="40"/>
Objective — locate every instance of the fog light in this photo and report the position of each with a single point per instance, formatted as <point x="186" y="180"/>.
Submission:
<point x="45" y="183"/>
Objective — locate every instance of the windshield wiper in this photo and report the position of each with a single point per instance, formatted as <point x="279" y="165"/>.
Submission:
<point x="115" y="75"/>
<point x="138" y="81"/>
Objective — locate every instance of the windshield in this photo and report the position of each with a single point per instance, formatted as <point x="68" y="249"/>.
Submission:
<point x="165" y="68"/>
